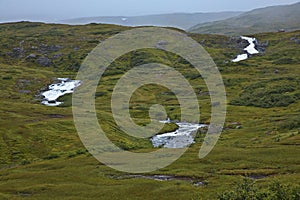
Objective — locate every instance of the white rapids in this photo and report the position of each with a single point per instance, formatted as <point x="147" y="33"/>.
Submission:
<point x="250" y="50"/>
<point x="63" y="87"/>
<point x="181" y="138"/>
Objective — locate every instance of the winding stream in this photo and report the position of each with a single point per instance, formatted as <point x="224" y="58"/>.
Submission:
<point x="250" y="50"/>
<point x="181" y="138"/>
<point x="56" y="90"/>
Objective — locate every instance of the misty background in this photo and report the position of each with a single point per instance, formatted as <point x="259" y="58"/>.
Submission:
<point x="55" y="10"/>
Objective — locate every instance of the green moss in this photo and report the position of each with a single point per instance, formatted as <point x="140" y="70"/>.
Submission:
<point x="42" y="156"/>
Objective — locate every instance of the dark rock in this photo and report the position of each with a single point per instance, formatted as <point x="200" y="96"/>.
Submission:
<point x="234" y="125"/>
<point x="215" y="104"/>
<point x="198" y="184"/>
<point x="161" y="44"/>
<point x="203" y="130"/>
<point x="23" y="83"/>
<point x="57" y="56"/>
<point x="52" y="102"/>
<point x="204" y="93"/>
<point x="24" y="91"/>
<point x="17" y="52"/>
<point x="44" y="49"/>
<point x="55" y="115"/>
<point x="44" y="61"/>
<point x="238" y="127"/>
<point x="31" y="56"/>
<point x="296" y="40"/>
<point x="261" y="46"/>
<point x="238" y="42"/>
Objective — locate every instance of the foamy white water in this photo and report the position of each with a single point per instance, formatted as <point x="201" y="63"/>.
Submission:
<point x="63" y="87"/>
<point x="250" y="50"/>
<point x="181" y="138"/>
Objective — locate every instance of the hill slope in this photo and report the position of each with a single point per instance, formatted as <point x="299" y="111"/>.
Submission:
<point x="270" y="19"/>
<point x="178" y="20"/>
<point x="42" y="157"/>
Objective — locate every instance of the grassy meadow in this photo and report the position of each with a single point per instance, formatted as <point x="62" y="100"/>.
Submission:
<point x="42" y="156"/>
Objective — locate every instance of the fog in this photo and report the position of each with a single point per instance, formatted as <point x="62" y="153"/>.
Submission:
<point x="53" y="10"/>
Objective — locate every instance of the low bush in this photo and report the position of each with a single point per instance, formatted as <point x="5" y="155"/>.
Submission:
<point x="267" y="94"/>
<point x="248" y="190"/>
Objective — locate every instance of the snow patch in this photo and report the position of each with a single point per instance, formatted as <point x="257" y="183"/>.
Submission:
<point x="63" y="87"/>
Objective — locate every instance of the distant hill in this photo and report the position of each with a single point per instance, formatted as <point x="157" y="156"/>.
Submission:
<point x="267" y="19"/>
<point x="178" y="20"/>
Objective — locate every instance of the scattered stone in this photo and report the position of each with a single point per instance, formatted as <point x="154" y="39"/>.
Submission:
<point x="203" y="130"/>
<point x="57" y="56"/>
<point x="215" y="104"/>
<point x="160" y="44"/>
<point x="199" y="184"/>
<point x="44" y="61"/>
<point x="204" y="93"/>
<point x="295" y="39"/>
<point x="234" y="125"/>
<point x="55" y="116"/>
<point x="262" y="46"/>
<point x="44" y="49"/>
<point x="239" y="42"/>
<point x="24" y="91"/>
<point x="24" y="194"/>
<point x="23" y="83"/>
<point x="31" y="56"/>
<point x="17" y="52"/>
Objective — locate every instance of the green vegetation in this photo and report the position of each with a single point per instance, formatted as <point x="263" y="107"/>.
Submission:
<point x="42" y="156"/>
<point x="247" y="190"/>
<point x="275" y="92"/>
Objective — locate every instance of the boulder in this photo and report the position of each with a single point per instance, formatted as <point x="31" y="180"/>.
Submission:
<point x="31" y="56"/>
<point x="44" y="61"/>
<point x="17" y="52"/>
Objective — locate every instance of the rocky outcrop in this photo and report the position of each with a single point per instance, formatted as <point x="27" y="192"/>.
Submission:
<point x="261" y="46"/>
<point x="17" y="52"/>
<point x="45" y="49"/>
<point x="31" y="56"/>
<point x="44" y="61"/>
<point x="295" y="40"/>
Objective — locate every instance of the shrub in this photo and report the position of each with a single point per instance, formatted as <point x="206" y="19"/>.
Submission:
<point x="267" y="94"/>
<point x="283" y="61"/>
<point x="247" y="190"/>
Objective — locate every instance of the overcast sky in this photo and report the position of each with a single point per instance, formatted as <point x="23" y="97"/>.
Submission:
<point x="49" y="10"/>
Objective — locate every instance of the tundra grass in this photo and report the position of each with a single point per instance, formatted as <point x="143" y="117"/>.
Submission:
<point x="42" y="156"/>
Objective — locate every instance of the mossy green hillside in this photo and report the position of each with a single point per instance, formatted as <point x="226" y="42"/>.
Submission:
<point x="42" y="156"/>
